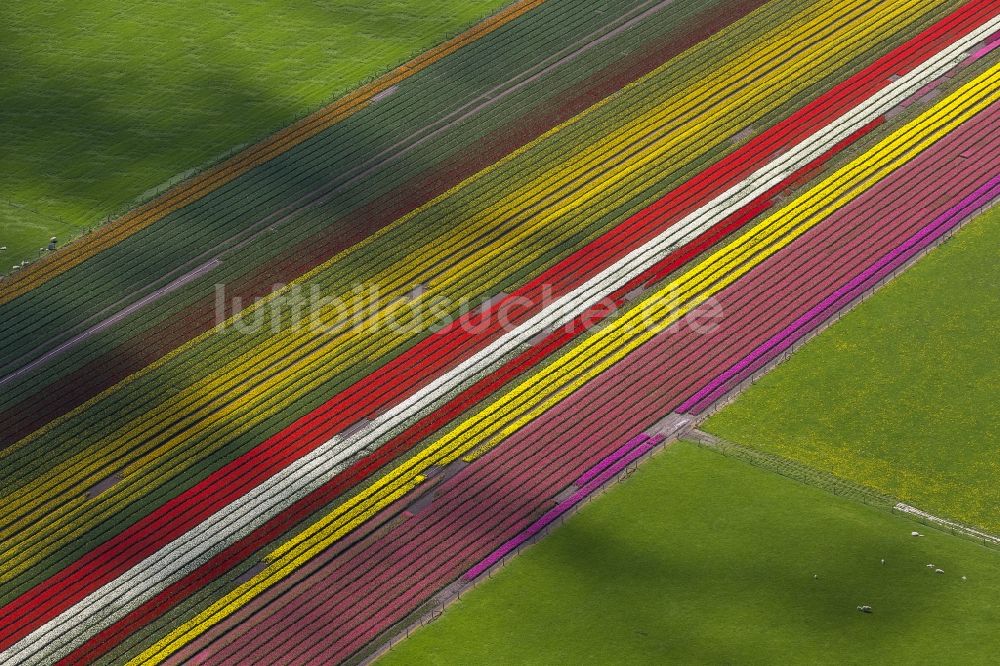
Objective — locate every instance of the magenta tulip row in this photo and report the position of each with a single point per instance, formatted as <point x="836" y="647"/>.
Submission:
<point x="592" y="479"/>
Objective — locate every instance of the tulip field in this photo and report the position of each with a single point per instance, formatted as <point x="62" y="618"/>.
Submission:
<point x="273" y="413"/>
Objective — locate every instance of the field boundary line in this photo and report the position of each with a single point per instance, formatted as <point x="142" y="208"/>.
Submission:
<point x="675" y="427"/>
<point x="808" y="475"/>
<point x="198" y="186"/>
<point x="950" y="525"/>
<point x="791" y="469"/>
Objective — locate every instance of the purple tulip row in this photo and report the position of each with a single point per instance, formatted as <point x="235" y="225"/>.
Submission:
<point x="991" y="43"/>
<point x="610" y="459"/>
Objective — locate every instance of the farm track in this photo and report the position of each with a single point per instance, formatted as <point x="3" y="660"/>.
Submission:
<point x="768" y="192"/>
<point x="307" y="189"/>
<point x="298" y="163"/>
<point x="316" y="177"/>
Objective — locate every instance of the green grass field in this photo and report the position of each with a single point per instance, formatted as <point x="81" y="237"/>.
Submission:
<point x="900" y="394"/>
<point x="105" y="102"/>
<point x="701" y="558"/>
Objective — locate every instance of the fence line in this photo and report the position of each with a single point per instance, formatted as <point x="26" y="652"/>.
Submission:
<point x="841" y="487"/>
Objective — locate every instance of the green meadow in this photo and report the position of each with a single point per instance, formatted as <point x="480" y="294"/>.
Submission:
<point x="106" y="103"/>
